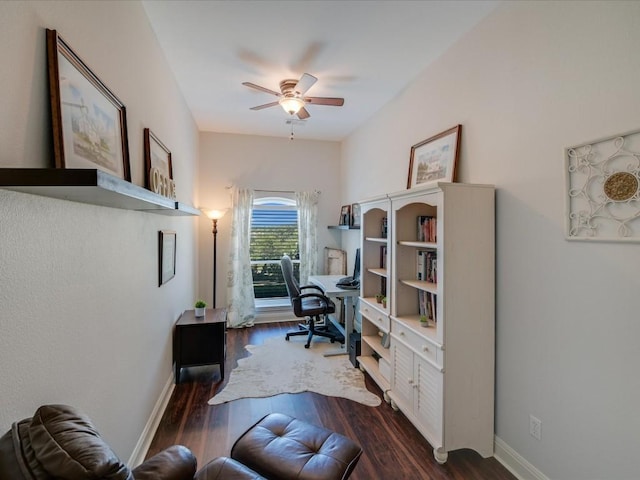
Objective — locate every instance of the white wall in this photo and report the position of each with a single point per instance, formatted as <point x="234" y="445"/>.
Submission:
<point x="264" y="163"/>
<point x="82" y="320"/>
<point x="531" y="79"/>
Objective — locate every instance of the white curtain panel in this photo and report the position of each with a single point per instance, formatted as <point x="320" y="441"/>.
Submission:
<point x="307" y="204"/>
<point x="242" y="309"/>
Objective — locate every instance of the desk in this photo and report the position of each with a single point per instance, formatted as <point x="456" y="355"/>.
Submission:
<point x="200" y="340"/>
<point x="328" y="284"/>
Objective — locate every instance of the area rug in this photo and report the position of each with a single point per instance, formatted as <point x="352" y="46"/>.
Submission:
<point x="281" y="366"/>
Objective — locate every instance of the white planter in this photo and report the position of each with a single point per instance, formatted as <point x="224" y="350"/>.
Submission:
<point x="200" y="312"/>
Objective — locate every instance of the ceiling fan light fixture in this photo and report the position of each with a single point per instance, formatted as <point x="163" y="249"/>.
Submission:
<point x="291" y="105"/>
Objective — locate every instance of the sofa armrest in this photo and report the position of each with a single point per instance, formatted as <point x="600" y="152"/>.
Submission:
<point x="175" y="463"/>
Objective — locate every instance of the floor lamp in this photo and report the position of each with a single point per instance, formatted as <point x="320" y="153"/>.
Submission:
<point x="215" y="215"/>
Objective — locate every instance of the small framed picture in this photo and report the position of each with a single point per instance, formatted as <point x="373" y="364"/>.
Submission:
<point x="345" y="215"/>
<point x="166" y="256"/>
<point x="355" y="214"/>
<point x="434" y="159"/>
<point x="158" y="168"/>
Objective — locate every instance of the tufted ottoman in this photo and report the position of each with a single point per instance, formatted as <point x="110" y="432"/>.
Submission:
<point x="282" y="447"/>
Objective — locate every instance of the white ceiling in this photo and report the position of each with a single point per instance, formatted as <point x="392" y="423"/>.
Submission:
<point x="363" y="51"/>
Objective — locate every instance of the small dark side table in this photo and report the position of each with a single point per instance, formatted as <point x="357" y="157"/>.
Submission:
<point x="200" y="341"/>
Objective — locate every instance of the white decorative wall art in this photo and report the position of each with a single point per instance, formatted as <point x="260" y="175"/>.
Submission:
<point x="603" y="189"/>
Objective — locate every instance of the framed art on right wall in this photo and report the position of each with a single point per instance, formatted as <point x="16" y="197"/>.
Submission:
<point x="435" y="159"/>
<point x="603" y="189"/>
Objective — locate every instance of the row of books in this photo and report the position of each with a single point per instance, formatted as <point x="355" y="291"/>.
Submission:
<point x="427" y="266"/>
<point x="426" y="228"/>
<point x="427" y="305"/>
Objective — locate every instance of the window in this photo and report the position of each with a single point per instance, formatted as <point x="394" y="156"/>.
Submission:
<point x="274" y="232"/>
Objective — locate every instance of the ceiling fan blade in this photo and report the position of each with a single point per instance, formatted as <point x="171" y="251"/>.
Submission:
<point x="336" y="102"/>
<point x="305" y="83"/>
<point x="302" y="113"/>
<point x="266" y="105"/>
<point x="262" y="89"/>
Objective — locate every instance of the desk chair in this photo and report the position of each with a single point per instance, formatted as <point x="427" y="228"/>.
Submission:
<point x="309" y="305"/>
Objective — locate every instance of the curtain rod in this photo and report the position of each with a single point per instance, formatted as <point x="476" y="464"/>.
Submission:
<point x="272" y="191"/>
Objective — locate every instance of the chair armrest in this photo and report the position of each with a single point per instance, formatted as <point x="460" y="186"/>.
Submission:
<point x="175" y="463"/>
<point x="319" y="296"/>
<point x="311" y="286"/>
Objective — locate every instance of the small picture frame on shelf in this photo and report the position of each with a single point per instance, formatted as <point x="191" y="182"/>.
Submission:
<point x="89" y="122"/>
<point x="158" y="168"/>
<point x="345" y="215"/>
<point x="434" y="159"/>
<point x="355" y="214"/>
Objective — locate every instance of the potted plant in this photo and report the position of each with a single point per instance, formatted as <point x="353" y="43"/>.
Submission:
<point x="200" y="308"/>
<point x="379" y="297"/>
<point x="424" y="321"/>
<point x="384" y="302"/>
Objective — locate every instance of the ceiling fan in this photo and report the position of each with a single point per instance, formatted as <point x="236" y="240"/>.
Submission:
<point x="292" y="98"/>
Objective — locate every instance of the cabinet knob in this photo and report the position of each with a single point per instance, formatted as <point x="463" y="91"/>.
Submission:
<point x="425" y="348"/>
<point x="410" y="381"/>
<point x="402" y="334"/>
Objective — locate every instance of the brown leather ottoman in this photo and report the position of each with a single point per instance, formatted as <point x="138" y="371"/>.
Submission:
<point x="225" y="468"/>
<point x="282" y="447"/>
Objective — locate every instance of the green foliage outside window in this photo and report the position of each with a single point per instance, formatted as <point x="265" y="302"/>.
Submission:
<point x="268" y="245"/>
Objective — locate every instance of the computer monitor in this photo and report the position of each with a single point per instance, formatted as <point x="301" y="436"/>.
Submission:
<point x="356" y="266"/>
<point x="353" y="281"/>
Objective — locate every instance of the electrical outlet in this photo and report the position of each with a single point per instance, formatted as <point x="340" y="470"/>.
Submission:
<point x="535" y="427"/>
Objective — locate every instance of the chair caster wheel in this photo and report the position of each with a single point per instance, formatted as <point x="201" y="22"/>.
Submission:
<point x="306" y="346"/>
<point x="287" y="338"/>
<point x="333" y="340"/>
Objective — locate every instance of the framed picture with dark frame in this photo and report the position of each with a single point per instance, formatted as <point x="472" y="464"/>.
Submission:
<point x="345" y="215"/>
<point x="88" y="121"/>
<point x="158" y="171"/>
<point x="166" y="256"/>
<point x="435" y="159"/>
<point x="355" y="214"/>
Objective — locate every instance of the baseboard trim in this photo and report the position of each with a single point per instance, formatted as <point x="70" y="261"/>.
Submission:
<point x="144" y="442"/>
<point x="516" y="463"/>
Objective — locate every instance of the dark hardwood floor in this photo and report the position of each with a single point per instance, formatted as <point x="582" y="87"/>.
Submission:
<point x="393" y="448"/>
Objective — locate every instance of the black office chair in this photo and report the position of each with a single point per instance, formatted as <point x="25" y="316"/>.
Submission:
<point x="309" y="305"/>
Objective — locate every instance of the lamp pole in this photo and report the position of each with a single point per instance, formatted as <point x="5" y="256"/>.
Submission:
<point x="215" y="266"/>
<point x="215" y="215"/>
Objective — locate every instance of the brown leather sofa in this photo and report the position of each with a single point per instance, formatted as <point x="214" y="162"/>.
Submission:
<point x="60" y="443"/>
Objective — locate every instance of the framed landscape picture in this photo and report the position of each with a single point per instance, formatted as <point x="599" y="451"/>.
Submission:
<point x="88" y="121"/>
<point x="435" y="159"/>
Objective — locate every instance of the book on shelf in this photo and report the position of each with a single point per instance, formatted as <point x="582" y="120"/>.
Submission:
<point x="426" y="228"/>
<point x="427" y="305"/>
<point x="427" y="266"/>
<point x="383" y="256"/>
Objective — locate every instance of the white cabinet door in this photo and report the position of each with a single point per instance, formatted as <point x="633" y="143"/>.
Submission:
<point x="428" y="396"/>
<point x="403" y="380"/>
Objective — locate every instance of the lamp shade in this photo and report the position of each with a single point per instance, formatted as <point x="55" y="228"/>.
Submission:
<point x="216" y="214"/>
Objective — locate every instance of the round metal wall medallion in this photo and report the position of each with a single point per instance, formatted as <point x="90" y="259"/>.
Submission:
<point x="621" y="186"/>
